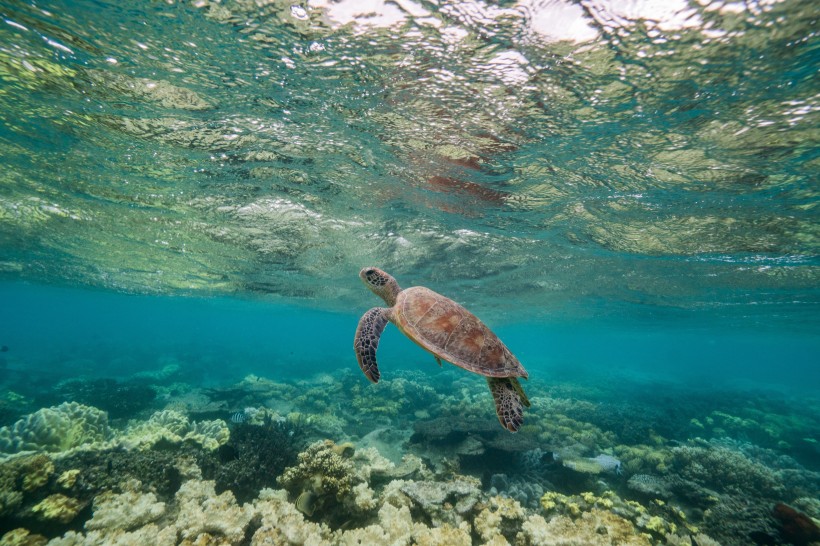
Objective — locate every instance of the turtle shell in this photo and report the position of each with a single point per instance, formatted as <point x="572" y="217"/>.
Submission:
<point x="449" y="331"/>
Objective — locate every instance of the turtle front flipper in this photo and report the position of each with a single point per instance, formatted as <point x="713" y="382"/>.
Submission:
<point x="370" y="329"/>
<point x="509" y="404"/>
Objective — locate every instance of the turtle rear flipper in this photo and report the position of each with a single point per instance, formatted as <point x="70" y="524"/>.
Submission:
<point x="509" y="404"/>
<point x="370" y="329"/>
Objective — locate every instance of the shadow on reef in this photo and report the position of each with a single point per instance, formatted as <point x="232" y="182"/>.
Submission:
<point x="35" y="483"/>
<point x="255" y="456"/>
<point x="56" y="495"/>
<point x="122" y="400"/>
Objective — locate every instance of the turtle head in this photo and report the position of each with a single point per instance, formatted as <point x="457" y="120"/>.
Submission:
<point x="381" y="284"/>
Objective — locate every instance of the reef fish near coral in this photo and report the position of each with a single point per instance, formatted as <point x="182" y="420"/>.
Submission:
<point x="447" y="330"/>
<point x="592" y="465"/>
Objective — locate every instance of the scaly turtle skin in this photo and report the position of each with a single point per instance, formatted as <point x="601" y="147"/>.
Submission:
<point x="446" y="329"/>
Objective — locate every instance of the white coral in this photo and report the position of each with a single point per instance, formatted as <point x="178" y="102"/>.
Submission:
<point x="441" y="536"/>
<point x="395" y="528"/>
<point x="149" y="534"/>
<point x="502" y="514"/>
<point x="201" y="510"/>
<point x="209" y="434"/>
<point x="125" y="511"/>
<point x="282" y="524"/>
<point x="174" y="427"/>
<point x="369" y="461"/>
<point x="363" y="497"/>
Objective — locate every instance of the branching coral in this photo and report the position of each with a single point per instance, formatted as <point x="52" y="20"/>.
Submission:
<point x="323" y="482"/>
<point x="321" y="470"/>
<point x="728" y="470"/>
<point x="557" y="429"/>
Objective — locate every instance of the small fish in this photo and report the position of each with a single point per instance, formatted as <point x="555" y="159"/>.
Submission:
<point x="306" y="503"/>
<point x="608" y="463"/>
<point x="4" y="349"/>
<point x="238" y="417"/>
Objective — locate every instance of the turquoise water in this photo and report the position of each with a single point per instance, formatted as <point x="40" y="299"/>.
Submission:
<point x="625" y="192"/>
<point x="220" y="339"/>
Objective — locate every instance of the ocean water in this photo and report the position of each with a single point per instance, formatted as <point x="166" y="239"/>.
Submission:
<point x="625" y="192"/>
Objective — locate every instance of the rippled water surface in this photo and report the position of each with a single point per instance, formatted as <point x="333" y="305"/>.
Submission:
<point x="535" y="157"/>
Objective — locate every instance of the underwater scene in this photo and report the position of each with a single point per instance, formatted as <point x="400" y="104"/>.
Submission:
<point x="409" y="272"/>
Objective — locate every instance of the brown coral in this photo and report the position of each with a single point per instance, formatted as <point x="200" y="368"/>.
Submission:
<point x="321" y="470"/>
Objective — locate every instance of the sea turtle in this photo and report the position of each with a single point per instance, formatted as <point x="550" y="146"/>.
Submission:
<point x="446" y="329"/>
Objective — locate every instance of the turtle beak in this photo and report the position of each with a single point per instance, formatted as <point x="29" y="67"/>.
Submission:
<point x="372" y="276"/>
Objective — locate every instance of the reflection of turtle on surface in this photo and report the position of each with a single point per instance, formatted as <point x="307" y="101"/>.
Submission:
<point x="450" y="332"/>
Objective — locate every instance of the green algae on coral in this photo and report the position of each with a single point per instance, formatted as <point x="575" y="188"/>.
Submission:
<point x="58" y="507"/>
<point x="22" y="537"/>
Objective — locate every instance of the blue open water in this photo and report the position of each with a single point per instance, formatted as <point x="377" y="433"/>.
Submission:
<point x="65" y="332"/>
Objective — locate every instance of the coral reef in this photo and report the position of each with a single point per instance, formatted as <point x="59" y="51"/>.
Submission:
<point x="113" y="469"/>
<point x="324" y="481"/>
<point x="68" y="478"/>
<point x="655" y="519"/>
<point x="443" y="502"/>
<point x="558" y="429"/>
<point x="281" y="523"/>
<point x="20" y="477"/>
<point x="599" y="527"/>
<point x="740" y="521"/>
<point x="396" y="475"/>
<point x="172" y="427"/>
<point x="22" y="537"/>
<point x="500" y="519"/>
<point x="125" y="511"/>
<point x="58" y="507"/>
<point x="525" y="489"/>
<point x="644" y="458"/>
<point x="202" y="513"/>
<point x="658" y="487"/>
<point x="56" y="428"/>
<point x="726" y="470"/>
<point x="256" y="455"/>
<point x="320" y="469"/>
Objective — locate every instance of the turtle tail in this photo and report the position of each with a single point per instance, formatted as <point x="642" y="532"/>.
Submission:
<point x="510" y="401"/>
